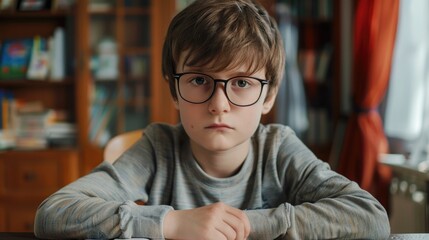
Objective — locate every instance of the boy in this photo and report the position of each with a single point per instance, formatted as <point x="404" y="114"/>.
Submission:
<point x="219" y="174"/>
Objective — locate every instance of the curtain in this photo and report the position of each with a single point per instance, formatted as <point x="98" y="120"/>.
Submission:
<point x="374" y="36"/>
<point x="291" y="91"/>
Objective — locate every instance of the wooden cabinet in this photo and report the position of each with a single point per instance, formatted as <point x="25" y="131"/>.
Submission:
<point x="2" y="219"/>
<point x="27" y="178"/>
<point x="134" y="93"/>
<point x="137" y="95"/>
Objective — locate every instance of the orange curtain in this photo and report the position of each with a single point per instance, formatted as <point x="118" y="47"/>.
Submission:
<point x="374" y="37"/>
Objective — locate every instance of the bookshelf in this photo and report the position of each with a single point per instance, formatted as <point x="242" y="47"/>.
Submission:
<point x="44" y="76"/>
<point x="318" y="60"/>
<point x="119" y="59"/>
<point x="30" y="172"/>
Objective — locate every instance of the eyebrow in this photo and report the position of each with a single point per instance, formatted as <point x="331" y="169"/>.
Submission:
<point x="202" y="70"/>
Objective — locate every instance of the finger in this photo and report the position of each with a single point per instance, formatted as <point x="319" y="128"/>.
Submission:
<point x="226" y="230"/>
<point x="235" y="223"/>
<point x="244" y="220"/>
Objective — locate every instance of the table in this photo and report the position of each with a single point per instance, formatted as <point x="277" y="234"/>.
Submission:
<point x="414" y="236"/>
<point x="30" y="236"/>
<point x="17" y="235"/>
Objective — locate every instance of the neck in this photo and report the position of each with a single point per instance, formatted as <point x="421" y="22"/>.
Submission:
<point x="221" y="164"/>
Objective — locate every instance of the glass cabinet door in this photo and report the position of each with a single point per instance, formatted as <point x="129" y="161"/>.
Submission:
<point x="120" y="67"/>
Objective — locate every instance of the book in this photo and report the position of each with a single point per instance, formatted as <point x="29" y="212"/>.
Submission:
<point x="7" y="4"/>
<point x="33" y="5"/>
<point x="103" y="134"/>
<point x="307" y="64"/>
<point x="7" y="110"/>
<point x="61" y="134"/>
<point x="57" y="54"/>
<point x="323" y="63"/>
<point x="31" y="129"/>
<point x="39" y="62"/>
<point x="62" y="4"/>
<point x="102" y="115"/>
<point x="15" y="57"/>
<point x="100" y="5"/>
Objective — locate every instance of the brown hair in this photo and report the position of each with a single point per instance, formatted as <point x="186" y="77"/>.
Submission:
<point x="223" y="34"/>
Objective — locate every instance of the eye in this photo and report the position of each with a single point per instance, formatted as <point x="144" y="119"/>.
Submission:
<point x="198" y="80"/>
<point x="241" y="83"/>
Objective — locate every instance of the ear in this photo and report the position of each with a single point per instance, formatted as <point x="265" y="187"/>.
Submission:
<point x="176" y="103"/>
<point x="176" y="99"/>
<point x="269" y="102"/>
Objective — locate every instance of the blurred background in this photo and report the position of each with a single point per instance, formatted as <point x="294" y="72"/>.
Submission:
<point x="74" y="74"/>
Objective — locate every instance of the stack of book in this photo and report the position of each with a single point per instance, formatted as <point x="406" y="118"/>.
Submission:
<point x="29" y="125"/>
<point x="61" y="134"/>
<point x="31" y="130"/>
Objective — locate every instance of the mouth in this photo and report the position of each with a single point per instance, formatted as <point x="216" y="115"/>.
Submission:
<point x="219" y="126"/>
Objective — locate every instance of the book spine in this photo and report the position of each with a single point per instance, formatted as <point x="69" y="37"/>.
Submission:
<point x="58" y="55"/>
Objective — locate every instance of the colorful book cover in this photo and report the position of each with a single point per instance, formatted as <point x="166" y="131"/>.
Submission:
<point x="15" y="57"/>
<point x="39" y="63"/>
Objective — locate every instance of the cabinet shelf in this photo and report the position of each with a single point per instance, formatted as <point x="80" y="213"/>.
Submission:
<point x="17" y="83"/>
<point x="18" y="152"/>
<point x="135" y="101"/>
<point x="16" y="15"/>
<point x="137" y="11"/>
<point x="136" y="80"/>
<point x="132" y="51"/>
<point x="124" y="11"/>
<point x="102" y="12"/>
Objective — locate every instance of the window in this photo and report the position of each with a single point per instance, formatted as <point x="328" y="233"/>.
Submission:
<point x="407" y="105"/>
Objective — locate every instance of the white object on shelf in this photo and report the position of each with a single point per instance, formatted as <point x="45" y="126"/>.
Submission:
<point x="108" y="60"/>
<point x="58" y="55"/>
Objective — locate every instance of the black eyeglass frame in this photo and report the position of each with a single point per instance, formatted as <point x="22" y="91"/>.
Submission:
<point x="225" y="81"/>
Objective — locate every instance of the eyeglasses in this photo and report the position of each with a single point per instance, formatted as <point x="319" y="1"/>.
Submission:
<point x="198" y="88"/>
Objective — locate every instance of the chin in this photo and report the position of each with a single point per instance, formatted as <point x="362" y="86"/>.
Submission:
<point x="217" y="147"/>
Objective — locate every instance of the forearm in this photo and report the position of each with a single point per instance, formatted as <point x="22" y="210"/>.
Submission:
<point x="95" y="218"/>
<point x="269" y="223"/>
<point x="62" y="216"/>
<point x="353" y="215"/>
<point x="99" y="205"/>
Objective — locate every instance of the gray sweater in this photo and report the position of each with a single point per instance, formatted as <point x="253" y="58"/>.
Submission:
<point x="286" y="192"/>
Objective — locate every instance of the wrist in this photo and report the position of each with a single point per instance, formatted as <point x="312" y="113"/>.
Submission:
<point x="170" y="224"/>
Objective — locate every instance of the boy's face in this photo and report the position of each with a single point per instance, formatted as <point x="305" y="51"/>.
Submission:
<point x="218" y="125"/>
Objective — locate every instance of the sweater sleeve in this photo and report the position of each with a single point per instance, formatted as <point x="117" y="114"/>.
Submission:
<point x="339" y="209"/>
<point x="319" y="203"/>
<point x="101" y="204"/>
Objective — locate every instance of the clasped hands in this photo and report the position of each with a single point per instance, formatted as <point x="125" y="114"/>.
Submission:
<point x="215" y="221"/>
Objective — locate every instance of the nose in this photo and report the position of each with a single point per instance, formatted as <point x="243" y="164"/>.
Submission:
<point x="219" y="102"/>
